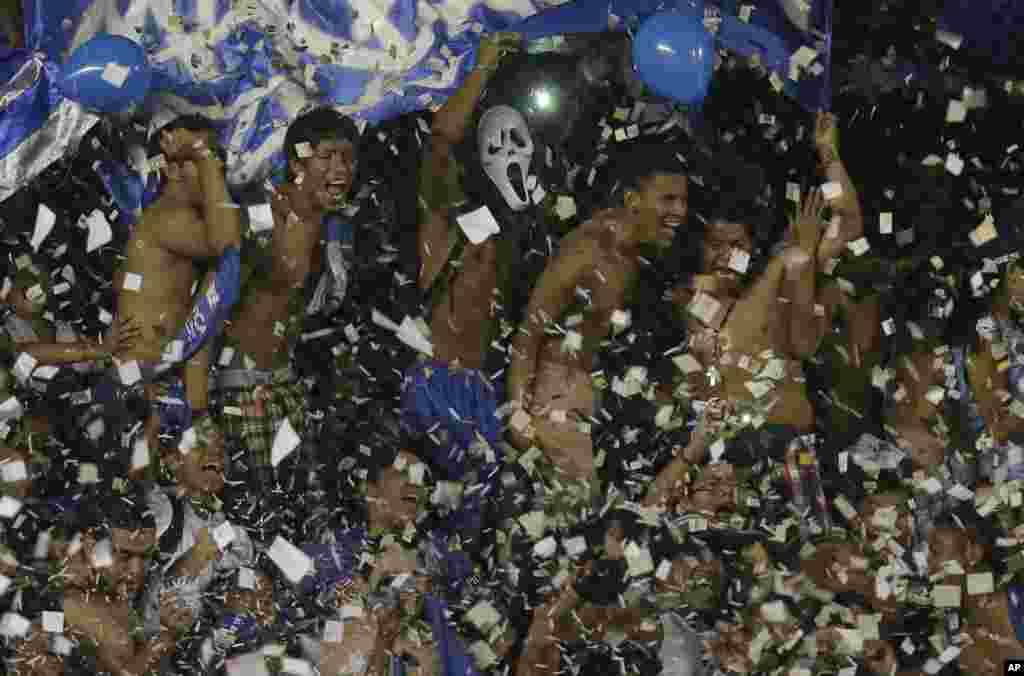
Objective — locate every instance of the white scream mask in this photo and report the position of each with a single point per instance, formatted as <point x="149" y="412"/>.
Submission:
<point x="506" y="149"/>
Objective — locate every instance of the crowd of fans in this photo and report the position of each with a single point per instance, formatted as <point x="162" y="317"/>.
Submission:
<point x="695" y="399"/>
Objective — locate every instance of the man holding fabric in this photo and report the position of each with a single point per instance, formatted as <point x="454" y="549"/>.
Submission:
<point x="257" y="391"/>
<point x="192" y="220"/>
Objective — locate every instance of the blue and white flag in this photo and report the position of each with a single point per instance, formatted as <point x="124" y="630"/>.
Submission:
<point x="37" y="124"/>
<point x="255" y="65"/>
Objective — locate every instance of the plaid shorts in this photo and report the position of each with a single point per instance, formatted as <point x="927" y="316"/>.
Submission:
<point x="803" y="479"/>
<point x="251" y="416"/>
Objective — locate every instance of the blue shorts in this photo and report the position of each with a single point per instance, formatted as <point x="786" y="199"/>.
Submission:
<point x="1016" y="598"/>
<point x="451" y="407"/>
<point x="335" y="561"/>
<point x="172" y="407"/>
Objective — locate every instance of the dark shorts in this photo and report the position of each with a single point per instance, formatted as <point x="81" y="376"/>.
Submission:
<point x="251" y="416"/>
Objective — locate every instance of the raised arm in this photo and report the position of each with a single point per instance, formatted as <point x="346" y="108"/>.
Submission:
<point x="799" y="282"/>
<point x="847" y="205"/>
<point x="438" y="181"/>
<point x="223" y="220"/>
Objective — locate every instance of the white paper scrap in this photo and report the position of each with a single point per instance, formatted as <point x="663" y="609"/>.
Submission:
<point x="45" y="220"/>
<point x="261" y="218"/>
<point x="285" y="442"/>
<point x="9" y="507"/>
<point x="129" y="372"/>
<point x="14" y="625"/>
<point x="832" y="190"/>
<point x="100" y="233"/>
<point x="956" y="111"/>
<point x="223" y="535"/>
<point x="132" y="281"/>
<point x="53" y="622"/>
<point x="293" y="562"/>
<point x="116" y="74"/>
<point x="478" y="225"/>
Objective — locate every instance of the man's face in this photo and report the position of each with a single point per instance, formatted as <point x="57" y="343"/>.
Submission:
<point x="662" y="202"/>
<point x="201" y="471"/>
<point x="946" y="544"/>
<point x="329" y="173"/>
<point x="715" y="490"/>
<point x="392" y="499"/>
<point x="719" y="241"/>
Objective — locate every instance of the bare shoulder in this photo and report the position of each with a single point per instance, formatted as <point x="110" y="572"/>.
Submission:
<point x="600" y="236"/>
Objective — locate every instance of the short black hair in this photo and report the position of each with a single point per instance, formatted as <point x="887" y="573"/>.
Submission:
<point x="637" y="162"/>
<point x="319" y="125"/>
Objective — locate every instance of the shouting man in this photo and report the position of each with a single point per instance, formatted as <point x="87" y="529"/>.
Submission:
<point x="257" y="390"/>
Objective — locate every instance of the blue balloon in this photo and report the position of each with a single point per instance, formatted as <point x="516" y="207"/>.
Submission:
<point x="673" y="54"/>
<point x="108" y="74"/>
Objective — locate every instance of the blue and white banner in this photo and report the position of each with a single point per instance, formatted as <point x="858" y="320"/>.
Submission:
<point x="256" y="64"/>
<point x="212" y="306"/>
<point x="37" y="124"/>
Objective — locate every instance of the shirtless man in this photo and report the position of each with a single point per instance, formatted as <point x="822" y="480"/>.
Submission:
<point x="193" y="219"/>
<point x="322" y="150"/>
<point x="750" y="338"/>
<point x="598" y="262"/>
<point x="461" y="287"/>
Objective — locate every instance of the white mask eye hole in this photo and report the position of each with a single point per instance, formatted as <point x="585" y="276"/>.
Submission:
<point x="517" y="138"/>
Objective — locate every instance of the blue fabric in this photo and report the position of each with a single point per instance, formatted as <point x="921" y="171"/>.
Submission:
<point x="451" y="651"/>
<point x="1015" y="593"/>
<point x="213" y="306"/>
<point x="240" y="628"/>
<point x="378" y="60"/>
<point x="452" y="406"/>
<point x="29" y="111"/>
<point x="335" y="561"/>
<point x="125" y="187"/>
<point x="339" y="229"/>
<point x="175" y="418"/>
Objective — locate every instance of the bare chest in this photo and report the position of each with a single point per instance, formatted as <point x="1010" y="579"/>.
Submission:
<point x="602" y="288"/>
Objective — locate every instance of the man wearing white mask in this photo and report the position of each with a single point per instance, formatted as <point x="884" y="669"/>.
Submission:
<point x="448" y="400"/>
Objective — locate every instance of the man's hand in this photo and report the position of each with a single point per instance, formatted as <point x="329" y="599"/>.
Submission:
<point x="806" y="228"/>
<point x="123" y="336"/>
<point x="826" y="137"/>
<point x="298" y="199"/>
<point x="183" y="145"/>
<point x="493" y="46"/>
